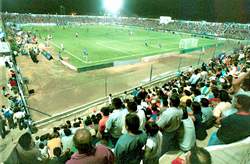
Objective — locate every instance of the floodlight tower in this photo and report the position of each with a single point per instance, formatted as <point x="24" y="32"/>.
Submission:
<point x="112" y="7"/>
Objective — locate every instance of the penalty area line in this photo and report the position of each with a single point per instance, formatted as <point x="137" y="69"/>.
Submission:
<point x="135" y="55"/>
<point x="71" y="54"/>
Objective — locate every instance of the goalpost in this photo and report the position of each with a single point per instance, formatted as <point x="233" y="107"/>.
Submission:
<point x="188" y="43"/>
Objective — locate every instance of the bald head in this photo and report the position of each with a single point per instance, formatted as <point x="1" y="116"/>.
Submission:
<point x="82" y="140"/>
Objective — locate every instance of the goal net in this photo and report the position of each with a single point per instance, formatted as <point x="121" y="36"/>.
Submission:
<point x="188" y="43"/>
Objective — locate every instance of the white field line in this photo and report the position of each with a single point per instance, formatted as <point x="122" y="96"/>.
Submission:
<point x="115" y="49"/>
<point x="112" y="48"/>
<point x="68" y="52"/>
<point x="122" y="57"/>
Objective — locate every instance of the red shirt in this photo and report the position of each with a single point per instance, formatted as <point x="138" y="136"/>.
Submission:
<point x="13" y="83"/>
<point x="178" y="160"/>
<point x="102" y="123"/>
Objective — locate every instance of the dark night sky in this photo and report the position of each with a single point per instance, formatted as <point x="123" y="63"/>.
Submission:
<point x="210" y="10"/>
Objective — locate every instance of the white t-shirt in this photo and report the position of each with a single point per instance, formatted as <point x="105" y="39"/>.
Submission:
<point x="189" y="138"/>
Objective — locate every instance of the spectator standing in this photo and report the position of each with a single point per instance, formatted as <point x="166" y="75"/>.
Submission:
<point x="169" y="122"/>
<point x="67" y="140"/>
<point x="54" y="142"/>
<point x="128" y="148"/>
<point x="28" y="153"/>
<point x="200" y="130"/>
<point x="105" y="117"/>
<point x="153" y="144"/>
<point x="186" y="133"/>
<point x="114" y="123"/>
<point x="59" y="157"/>
<point x="8" y="114"/>
<point x="43" y="150"/>
<point x="2" y="127"/>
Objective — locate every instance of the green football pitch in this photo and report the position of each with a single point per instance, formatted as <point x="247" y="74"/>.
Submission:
<point x="108" y="43"/>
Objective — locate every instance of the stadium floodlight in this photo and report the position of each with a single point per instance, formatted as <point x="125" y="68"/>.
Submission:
<point x="113" y="6"/>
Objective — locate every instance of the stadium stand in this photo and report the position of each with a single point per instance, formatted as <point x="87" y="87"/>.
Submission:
<point x="202" y="28"/>
<point x="175" y="115"/>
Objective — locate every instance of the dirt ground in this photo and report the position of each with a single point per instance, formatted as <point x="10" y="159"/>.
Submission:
<point x="57" y="88"/>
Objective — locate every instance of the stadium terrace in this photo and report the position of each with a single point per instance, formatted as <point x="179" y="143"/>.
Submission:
<point x="110" y="89"/>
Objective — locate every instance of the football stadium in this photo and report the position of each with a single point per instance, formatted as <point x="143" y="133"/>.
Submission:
<point x="115" y="81"/>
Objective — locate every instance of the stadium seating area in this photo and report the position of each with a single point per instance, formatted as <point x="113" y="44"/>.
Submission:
<point x="224" y="30"/>
<point x="13" y="113"/>
<point x="149" y="122"/>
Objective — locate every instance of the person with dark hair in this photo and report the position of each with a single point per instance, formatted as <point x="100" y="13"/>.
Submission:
<point x="44" y="150"/>
<point x="224" y="108"/>
<point x="153" y="144"/>
<point x="89" y="126"/>
<point x="169" y="121"/>
<point x="115" y="122"/>
<point x="141" y="109"/>
<point x="98" y="117"/>
<point x="28" y="153"/>
<point x="68" y="123"/>
<point x="195" y="77"/>
<point x="133" y="107"/>
<point x="214" y="100"/>
<point x="8" y="114"/>
<point x="37" y="141"/>
<point x="142" y="93"/>
<point x="197" y="95"/>
<point x="88" y="153"/>
<point x="153" y="114"/>
<point x="186" y="132"/>
<point x="236" y="126"/>
<point x="200" y="129"/>
<point x="188" y="107"/>
<point x="203" y="74"/>
<point x="59" y="157"/>
<point x="207" y="113"/>
<point x="128" y="148"/>
<point x="187" y="95"/>
<point x="2" y="127"/>
<point x="95" y="122"/>
<point x="67" y="142"/>
<point x="53" y="142"/>
<point x="117" y="103"/>
<point x="102" y="122"/>
<point x="197" y="155"/>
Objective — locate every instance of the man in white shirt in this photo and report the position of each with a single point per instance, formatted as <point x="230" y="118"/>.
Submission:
<point x="187" y="136"/>
<point x="114" y="123"/>
<point x="169" y="121"/>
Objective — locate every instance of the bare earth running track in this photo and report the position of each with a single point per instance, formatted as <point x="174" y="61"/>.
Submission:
<point x="57" y="88"/>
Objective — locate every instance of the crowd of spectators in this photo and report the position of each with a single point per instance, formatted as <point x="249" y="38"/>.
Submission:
<point x="225" y="30"/>
<point x="12" y="113"/>
<point x="23" y="42"/>
<point x="144" y="125"/>
<point x="214" y="29"/>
